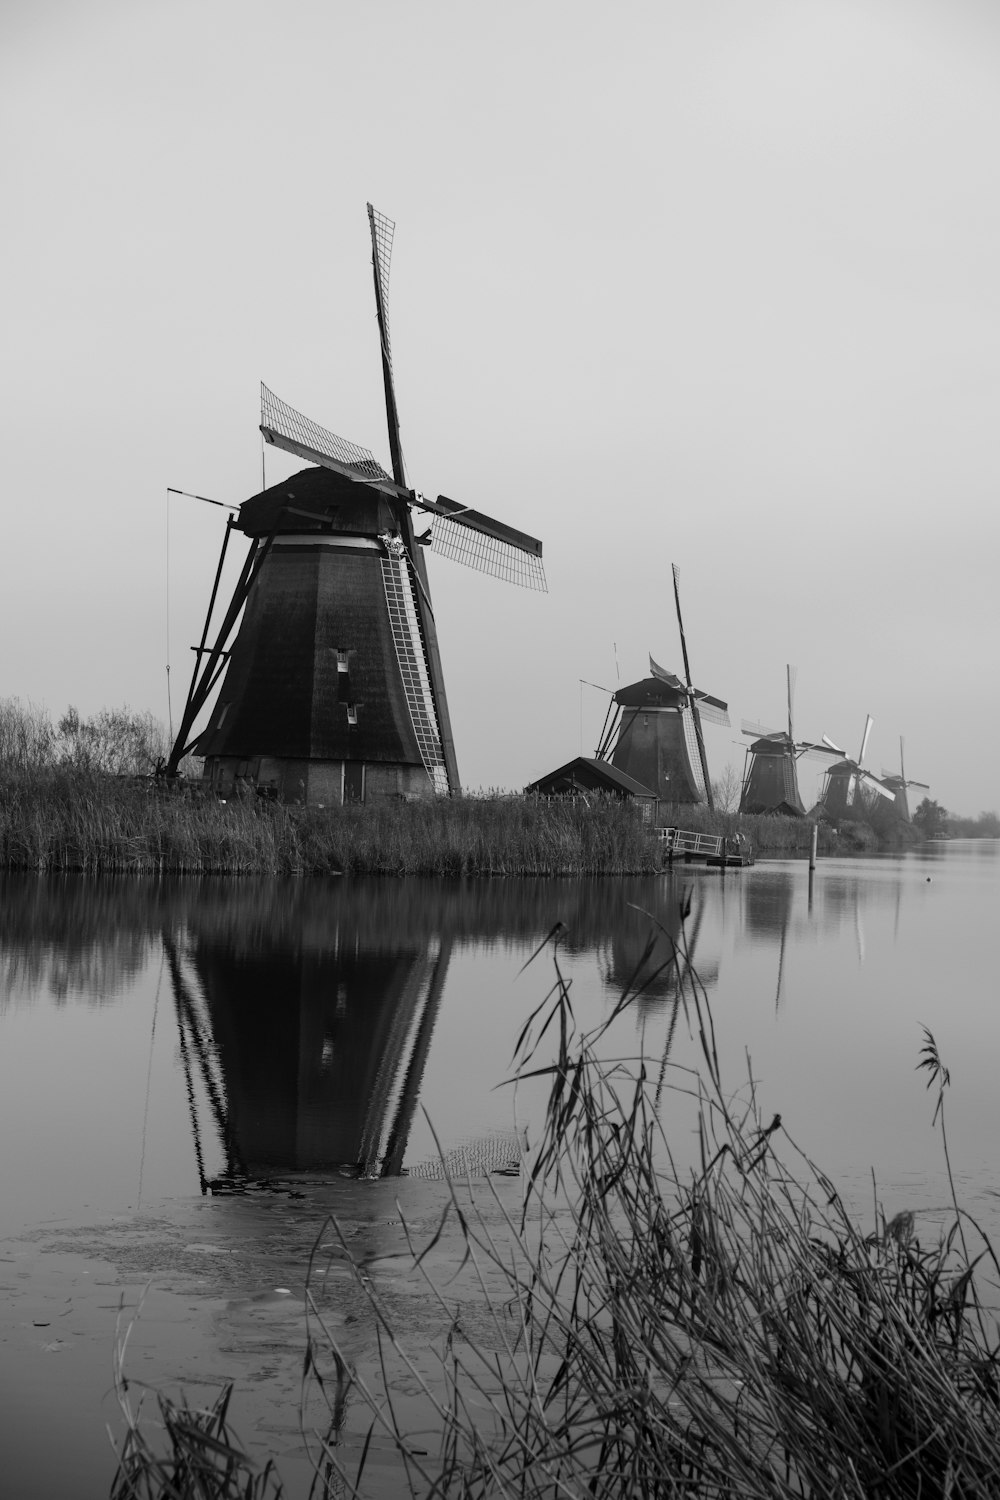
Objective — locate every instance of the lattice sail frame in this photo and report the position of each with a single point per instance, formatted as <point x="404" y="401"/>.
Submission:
<point x="383" y="230"/>
<point x="487" y="554"/>
<point x="411" y="654"/>
<point x="460" y="540"/>
<point x="694" y="754"/>
<point x="276" y="416"/>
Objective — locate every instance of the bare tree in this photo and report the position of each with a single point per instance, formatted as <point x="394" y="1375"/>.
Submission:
<point x="726" y="790"/>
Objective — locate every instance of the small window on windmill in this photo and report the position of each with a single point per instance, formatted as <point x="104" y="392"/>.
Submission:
<point x="352" y="713"/>
<point x="342" y="663"/>
<point x="223" y="711"/>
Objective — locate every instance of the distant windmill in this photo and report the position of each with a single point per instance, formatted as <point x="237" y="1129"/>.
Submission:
<point x="653" y="730"/>
<point x="333" y="688"/>
<point x="851" y="791"/>
<point x="770" y="782"/>
<point x="897" y="785"/>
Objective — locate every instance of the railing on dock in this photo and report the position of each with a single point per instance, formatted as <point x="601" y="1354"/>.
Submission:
<point x="678" y="841"/>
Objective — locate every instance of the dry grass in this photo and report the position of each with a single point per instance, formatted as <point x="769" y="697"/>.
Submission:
<point x="720" y="1328"/>
<point x="185" y="1452"/>
<point x="56" y="819"/>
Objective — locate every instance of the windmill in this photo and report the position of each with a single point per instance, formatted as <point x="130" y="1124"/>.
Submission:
<point x="850" y="791"/>
<point x="653" y="729"/>
<point x="770" y="780"/>
<point x="897" y="785"/>
<point x="333" y="689"/>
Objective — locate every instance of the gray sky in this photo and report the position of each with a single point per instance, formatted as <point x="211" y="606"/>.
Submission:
<point x="711" y="282"/>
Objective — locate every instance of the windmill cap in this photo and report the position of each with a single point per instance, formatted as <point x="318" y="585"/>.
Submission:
<point x="312" y="499"/>
<point x="652" y="692"/>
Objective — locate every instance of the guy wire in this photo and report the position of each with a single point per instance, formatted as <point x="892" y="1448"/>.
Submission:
<point x="170" y="712"/>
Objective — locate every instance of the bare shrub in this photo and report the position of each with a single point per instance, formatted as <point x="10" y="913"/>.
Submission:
<point x="114" y="741"/>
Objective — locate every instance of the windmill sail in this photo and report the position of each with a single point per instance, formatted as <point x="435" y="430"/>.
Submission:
<point x="412" y="657"/>
<point x="287" y="428"/>
<point x="382" y="231"/>
<point x="695" y="699"/>
<point x="457" y="531"/>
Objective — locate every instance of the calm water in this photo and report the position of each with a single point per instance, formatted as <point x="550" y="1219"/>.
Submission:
<point x="159" y="1037"/>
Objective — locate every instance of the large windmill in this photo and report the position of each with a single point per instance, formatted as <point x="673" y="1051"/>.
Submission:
<point x="333" y="689"/>
<point x="770" y="780"/>
<point x="897" y="785"/>
<point x="851" y="791"/>
<point x="653" y="729"/>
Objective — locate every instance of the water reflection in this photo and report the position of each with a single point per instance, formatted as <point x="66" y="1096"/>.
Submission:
<point x="310" y="1015"/>
<point x="305" y="1012"/>
<point x="68" y="937"/>
<point x="309" y="1056"/>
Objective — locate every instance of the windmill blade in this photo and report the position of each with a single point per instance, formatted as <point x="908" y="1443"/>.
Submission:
<point x="712" y="709"/>
<point x="924" y="786"/>
<point x="759" y="731"/>
<point x="869" y="721"/>
<point x="467" y="536"/>
<point x="695" y="709"/>
<point x="806" y="751"/>
<point x="874" y="785"/>
<point x="382" y="231"/>
<point x="286" y="428"/>
<point x="662" y="675"/>
<point x="828" y="742"/>
<point x="791" y="673"/>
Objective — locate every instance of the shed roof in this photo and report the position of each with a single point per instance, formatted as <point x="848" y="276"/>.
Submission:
<point x="587" y="773"/>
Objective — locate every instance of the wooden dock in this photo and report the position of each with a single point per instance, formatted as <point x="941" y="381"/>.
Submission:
<point x="683" y="847"/>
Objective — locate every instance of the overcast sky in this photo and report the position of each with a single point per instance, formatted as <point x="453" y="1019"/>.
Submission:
<point x="712" y="282"/>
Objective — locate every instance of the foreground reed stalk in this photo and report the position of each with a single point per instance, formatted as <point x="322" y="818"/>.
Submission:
<point x="719" y="1327"/>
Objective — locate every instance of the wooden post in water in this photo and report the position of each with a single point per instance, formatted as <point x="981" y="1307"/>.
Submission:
<point x="813" y="840"/>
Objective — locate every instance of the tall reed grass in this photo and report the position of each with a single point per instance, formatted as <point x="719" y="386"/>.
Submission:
<point x="61" y="819"/>
<point x="717" y="1328"/>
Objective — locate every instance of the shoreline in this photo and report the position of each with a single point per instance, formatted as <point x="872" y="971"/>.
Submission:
<point x="69" y="822"/>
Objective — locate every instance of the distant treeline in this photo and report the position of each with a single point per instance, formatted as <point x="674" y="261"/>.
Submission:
<point x="933" y="820"/>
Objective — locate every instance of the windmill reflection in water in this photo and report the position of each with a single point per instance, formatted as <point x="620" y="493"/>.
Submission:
<point x="308" y="1058"/>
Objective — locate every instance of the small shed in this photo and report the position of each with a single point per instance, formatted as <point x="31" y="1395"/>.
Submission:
<point x="588" y="774"/>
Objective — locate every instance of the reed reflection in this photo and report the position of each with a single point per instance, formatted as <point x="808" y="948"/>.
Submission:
<point x="69" y="936"/>
<point x="653" y="946"/>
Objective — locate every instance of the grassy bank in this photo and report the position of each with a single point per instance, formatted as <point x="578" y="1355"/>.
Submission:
<point x="57" y="820"/>
<point x="61" y="818"/>
<point x="778" y="836"/>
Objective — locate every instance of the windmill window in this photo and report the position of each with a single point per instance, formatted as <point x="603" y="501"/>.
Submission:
<point x="352" y="713"/>
<point x="222" y="715"/>
<point x="342" y="664"/>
